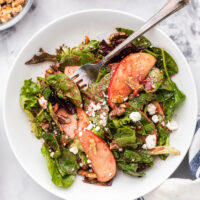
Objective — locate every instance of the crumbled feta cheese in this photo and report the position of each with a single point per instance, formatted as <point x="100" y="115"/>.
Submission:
<point x="125" y="99"/>
<point x="79" y="129"/>
<point x="66" y="136"/>
<point x="110" y="174"/>
<point x="103" y="103"/>
<point x="151" y="108"/>
<point x="120" y="149"/>
<point x="150" y="142"/>
<point x="135" y="116"/>
<point x="88" y="161"/>
<point x="74" y="150"/>
<point x="172" y="125"/>
<point x="81" y="164"/>
<point x="43" y="102"/>
<point x="97" y="128"/>
<point x="155" y="119"/>
<point x="92" y="108"/>
<point x="103" y="119"/>
<point x="163" y="123"/>
<point x="52" y="154"/>
<point x="80" y="134"/>
<point x="90" y="126"/>
<point x="90" y="170"/>
<point x="42" y="140"/>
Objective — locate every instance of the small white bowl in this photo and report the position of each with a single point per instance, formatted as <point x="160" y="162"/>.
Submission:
<point x="71" y="29"/>
<point x="18" y="17"/>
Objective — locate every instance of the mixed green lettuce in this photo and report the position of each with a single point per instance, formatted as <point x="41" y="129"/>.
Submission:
<point x="126" y="138"/>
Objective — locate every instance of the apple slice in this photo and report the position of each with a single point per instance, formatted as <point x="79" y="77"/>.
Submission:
<point x="137" y="66"/>
<point x="83" y="118"/>
<point x="70" y="127"/>
<point x="69" y="70"/>
<point x="113" y="67"/>
<point x="102" y="160"/>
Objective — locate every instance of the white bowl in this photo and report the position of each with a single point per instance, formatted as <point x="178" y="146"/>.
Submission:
<point x="71" y="29"/>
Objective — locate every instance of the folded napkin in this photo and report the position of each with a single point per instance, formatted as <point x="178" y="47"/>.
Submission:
<point x="182" y="189"/>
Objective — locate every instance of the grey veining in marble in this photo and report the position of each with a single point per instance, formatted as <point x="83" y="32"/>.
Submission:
<point x="183" y="28"/>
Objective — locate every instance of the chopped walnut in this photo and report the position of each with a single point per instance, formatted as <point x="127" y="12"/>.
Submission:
<point x="118" y="99"/>
<point x="87" y="174"/>
<point x="116" y="38"/>
<point x="2" y="1"/>
<point x="87" y="40"/>
<point x="118" y="111"/>
<point x="5" y="17"/>
<point x="17" y="3"/>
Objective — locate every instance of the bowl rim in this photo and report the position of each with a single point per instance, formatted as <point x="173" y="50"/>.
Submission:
<point x="17" y="18"/>
<point x="73" y="14"/>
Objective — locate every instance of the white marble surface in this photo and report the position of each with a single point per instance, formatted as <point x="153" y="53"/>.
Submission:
<point x="183" y="28"/>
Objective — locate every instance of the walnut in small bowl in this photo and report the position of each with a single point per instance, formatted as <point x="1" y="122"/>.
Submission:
<point x="9" y="9"/>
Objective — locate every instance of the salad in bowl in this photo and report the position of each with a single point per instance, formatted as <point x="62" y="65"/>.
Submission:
<point x="122" y="121"/>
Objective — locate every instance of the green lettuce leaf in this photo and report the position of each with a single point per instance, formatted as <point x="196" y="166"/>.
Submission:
<point x="80" y="55"/>
<point x="129" y="168"/>
<point x="28" y="95"/>
<point x="172" y="67"/>
<point x="66" y="163"/>
<point x="57" y="178"/>
<point x="139" y="42"/>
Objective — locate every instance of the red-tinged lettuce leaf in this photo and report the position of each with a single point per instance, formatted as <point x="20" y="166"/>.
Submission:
<point x="65" y="88"/>
<point x="41" y="57"/>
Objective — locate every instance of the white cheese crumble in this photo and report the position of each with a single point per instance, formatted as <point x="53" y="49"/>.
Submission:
<point x="80" y="134"/>
<point x="110" y="174"/>
<point x="74" y="150"/>
<point x="42" y="140"/>
<point x="125" y="99"/>
<point x="43" y="102"/>
<point x="120" y="150"/>
<point x="90" y="126"/>
<point x="97" y="128"/>
<point x="172" y="125"/>
<point x="163" y="123"/>
<point x="151" y="108"/>
<point x="135" y="116"/>
<point x="52" y="154"/>
<point x="103" y="119"/>
<point x="88" y="161"/>
<point x="155" y="119"/>
<point x="150" y="142"/>
<point x="92" y="108"/>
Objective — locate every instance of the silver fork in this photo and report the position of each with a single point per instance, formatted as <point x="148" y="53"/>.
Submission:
<point x="88" y="73"/>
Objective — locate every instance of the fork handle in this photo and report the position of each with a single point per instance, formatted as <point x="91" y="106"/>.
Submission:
<point x="169" y="8"/>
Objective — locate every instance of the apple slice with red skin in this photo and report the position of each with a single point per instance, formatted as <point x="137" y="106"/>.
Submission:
<point x="137" y="66"/>
<point x="83" y="121"/>
<point x="69" y="70"/>
<point x="102" y="159"/>
<point x="71" y="126"/>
